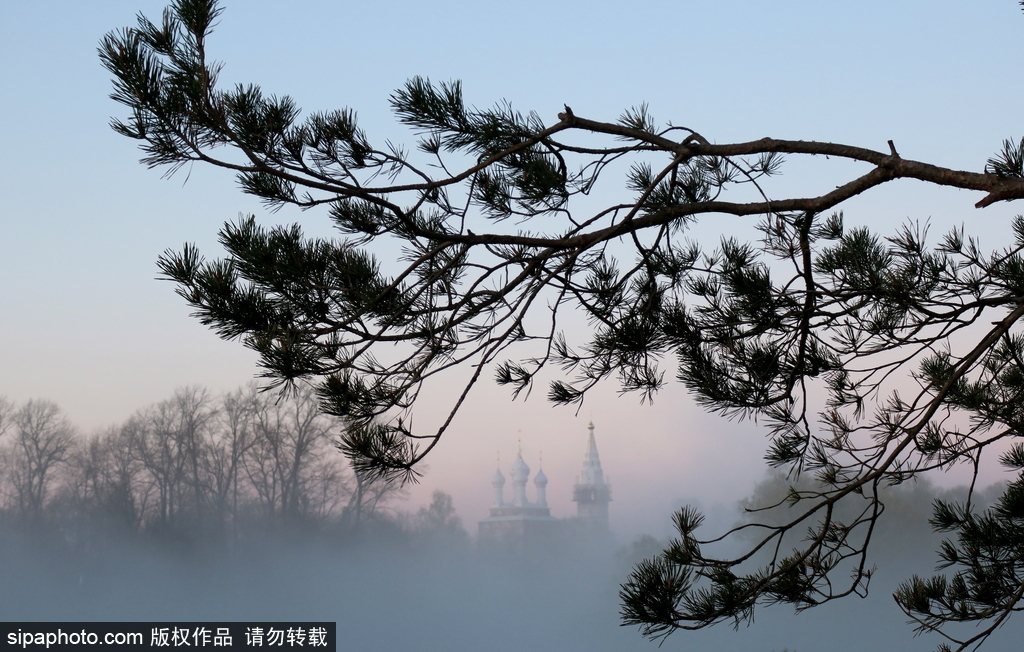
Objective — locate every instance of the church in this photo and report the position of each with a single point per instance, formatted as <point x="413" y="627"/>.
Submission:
<point x="528" y="525"/>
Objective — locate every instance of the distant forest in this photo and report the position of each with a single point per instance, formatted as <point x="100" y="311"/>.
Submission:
<point x="197" y="469"/>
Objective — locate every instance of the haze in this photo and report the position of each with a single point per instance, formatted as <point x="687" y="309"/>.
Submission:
<point x="87" y="326"/>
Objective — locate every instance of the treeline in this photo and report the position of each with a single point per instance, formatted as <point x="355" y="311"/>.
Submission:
<point x="196" y="466"/>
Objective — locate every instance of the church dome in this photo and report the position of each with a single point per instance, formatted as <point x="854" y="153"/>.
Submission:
<point x="540" y="479"/>
<point x="520" y="470"/>
<point x="498" y="479"/>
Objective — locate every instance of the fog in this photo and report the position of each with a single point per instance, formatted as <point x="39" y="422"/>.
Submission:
<point x="393" y="589"/>
<point x="399" y="598"/>
<point x="238" y="508"/>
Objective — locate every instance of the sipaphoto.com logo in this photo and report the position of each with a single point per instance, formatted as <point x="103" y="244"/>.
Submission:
<point x="25" y="639"/>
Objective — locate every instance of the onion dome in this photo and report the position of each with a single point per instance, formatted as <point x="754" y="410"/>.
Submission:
<point x="498" y="479"/>
<point x="520" y="470"/>
<point x="540" y="479"/>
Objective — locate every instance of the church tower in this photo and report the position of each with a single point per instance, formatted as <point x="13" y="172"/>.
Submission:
<point x="592" y="493"/>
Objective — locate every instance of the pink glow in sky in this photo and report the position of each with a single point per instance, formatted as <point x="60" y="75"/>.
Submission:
<point x="86" y="324"/>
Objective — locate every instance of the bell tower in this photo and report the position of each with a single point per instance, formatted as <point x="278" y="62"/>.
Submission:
<point x="591" y="492"/>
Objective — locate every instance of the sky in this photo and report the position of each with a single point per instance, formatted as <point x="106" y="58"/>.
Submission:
<point x="87" y="325"/>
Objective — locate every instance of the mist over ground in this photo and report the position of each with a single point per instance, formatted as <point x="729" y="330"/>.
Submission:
<point x="419" y="582"/>
<point x="238" y="508"/>
<point x="391" y="597"/>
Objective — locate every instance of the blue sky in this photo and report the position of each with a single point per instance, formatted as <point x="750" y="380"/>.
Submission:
<point x="86" y="324"/>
